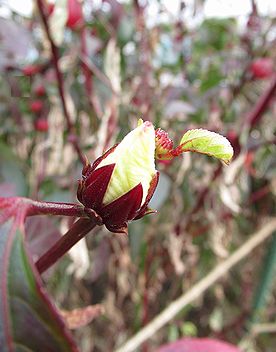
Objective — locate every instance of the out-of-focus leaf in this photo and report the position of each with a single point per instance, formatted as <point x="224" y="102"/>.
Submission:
<point x="265" y="284"/>
<point x="216" y="320"/>
<point x="77" y="318"/>
<point x="173" y="333"/>
<point x="80" y="259"/>
<point x="57" y="21"/>
<point x="216" y="33"/>
<point x="230" y="196"/>
<point x="16" y="42"/>
<point x="206" y="142"/>
<point x="28" y="320"/>
<point x="41" y="234"/>
<point x="100" y="259"/>
<point x="211" y="78"/>
<point x="198" y="345"/>
<point x="11" y="172"/>
<point x="117" y="12"/>
<point x="7" y="189"/>
<point x="188" y="329"/>
<point x="162" y="191"/>
<point x="112" y="65"/>
<point x="179" y="109"/>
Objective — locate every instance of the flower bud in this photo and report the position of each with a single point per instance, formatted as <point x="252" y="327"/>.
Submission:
<point x="163" y="144"/>
<point x="119" y="185"/>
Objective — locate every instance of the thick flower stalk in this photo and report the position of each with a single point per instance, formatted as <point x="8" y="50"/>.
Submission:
<point x="119" y="185"/>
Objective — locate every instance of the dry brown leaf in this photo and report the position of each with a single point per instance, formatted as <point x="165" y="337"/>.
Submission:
<point x="80" y="317"/>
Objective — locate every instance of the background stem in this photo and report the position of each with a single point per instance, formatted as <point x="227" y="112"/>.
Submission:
<point x="60" y="84"/>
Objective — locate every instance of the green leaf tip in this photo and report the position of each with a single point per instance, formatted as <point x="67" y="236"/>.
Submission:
<point x="207" y="142"/>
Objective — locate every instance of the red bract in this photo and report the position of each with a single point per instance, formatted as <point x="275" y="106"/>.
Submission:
<point x="163" y="143"/>
<point x="41" y="125"/>
<point x="115" y="215"/>
<point x="119" y="185"/>
<point x="36" y="106"/>
<point x="262" y="68"/>
<point x="75" y="15"/>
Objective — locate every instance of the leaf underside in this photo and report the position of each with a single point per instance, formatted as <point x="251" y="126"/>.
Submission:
<point x="28" y="319"/>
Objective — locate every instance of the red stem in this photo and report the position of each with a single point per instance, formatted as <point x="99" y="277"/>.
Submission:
<point x="257" y="112"/>
<point x="79" y="229"/>
<point x="59" y="78"/>
<point x="34" y="207"/>
<point x="53" y="208"/>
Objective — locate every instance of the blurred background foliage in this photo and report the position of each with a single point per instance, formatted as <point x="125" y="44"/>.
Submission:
<point x="118" y="61"/>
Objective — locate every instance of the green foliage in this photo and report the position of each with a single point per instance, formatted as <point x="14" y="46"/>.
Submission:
<point x="206" y="142"/>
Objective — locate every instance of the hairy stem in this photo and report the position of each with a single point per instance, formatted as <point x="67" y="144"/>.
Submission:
<point x="79" y="229"/>
<point x="53" y="208"/>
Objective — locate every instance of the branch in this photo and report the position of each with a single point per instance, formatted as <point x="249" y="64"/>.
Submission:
<point x="199" y="288"/>
<point x="53" y="208"/>
<point x="55" y="56"/>
<point x="256" y="113"/>
<point x="10" y="205"/>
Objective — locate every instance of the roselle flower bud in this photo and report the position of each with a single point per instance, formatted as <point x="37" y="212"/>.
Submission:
<point x="163" y="143"/>
<point x="119" y="185"/>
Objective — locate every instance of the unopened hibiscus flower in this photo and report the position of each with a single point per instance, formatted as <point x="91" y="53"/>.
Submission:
<point x="119" y="184"/>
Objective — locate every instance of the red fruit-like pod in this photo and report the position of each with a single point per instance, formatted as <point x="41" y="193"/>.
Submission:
<point x="115" y="215"/>
<point x="40" y="91"/>
<point x="119" y="185"/>
<point x="75" y="15"/>
<point x="31" y="70"/>
<point x="262" y="68"/>
<point x="41" y="125"/>
<point x="36" y="106"/>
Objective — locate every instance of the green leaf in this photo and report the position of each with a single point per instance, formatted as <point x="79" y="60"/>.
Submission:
<point x="206" y="142"/>
<point x="266" y="282"/>
<point x="28" y="319"/>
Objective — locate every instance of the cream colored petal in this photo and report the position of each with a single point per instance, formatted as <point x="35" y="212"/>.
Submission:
<point x="134" y="160"/>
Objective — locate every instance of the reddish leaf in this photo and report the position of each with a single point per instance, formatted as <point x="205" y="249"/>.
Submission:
<point x="198" y="345"/>
<point x="28" y="319"/>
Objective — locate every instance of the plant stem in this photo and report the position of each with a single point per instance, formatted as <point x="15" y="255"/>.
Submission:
<point x="256" y="113"/>
<point x="79" y="229"/>
<point x="55" y="56"/>
<point x="53" y="208"/>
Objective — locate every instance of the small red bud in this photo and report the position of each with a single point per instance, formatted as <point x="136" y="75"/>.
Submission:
<point x="163" y="143"/>
<point x="31" y="70"/>
<point x="36" y="106"/>
<point x="41" y="125"/>
<point x="40" y="91"/>
<point x="262" y="68"/>
<point x="75" y="15"/>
